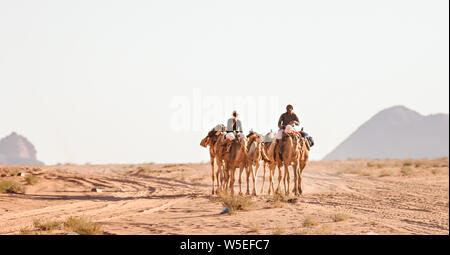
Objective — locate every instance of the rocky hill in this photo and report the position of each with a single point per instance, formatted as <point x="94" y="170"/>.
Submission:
<point x="17" y="150"/>
<point x="397" y="132"/>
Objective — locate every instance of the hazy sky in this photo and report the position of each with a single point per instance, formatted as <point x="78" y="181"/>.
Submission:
<point x="104" y="81"/>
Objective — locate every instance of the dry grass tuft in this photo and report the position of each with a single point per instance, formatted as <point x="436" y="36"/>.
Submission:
<point x="385" y="172"/>
<point x="236" y="203"/>
<point x="340" y="217"/>
<point x="310" y="222"/>
<point x="408" y="163"/>
<point x="83" y="226"/>
<point x="436" y="171"/>
<point x="141" y="170"/>
<point x="278" y="231"/>
<point x="406" y="171"/>
<point x="379" y="166"/>
<point x="254" y="227"/>
<point x="324" y="230"/>
<point x="279" y="199"/>
<point x="371" y="164"/>
<point x="10" y="187"/>
<point x="47" y="225"/>
<point x="30" y="179"/>
<point x="27" y="231"/>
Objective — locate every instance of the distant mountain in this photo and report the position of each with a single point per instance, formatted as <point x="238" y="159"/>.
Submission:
<point x="397" y="132"/>
<point x="17" y="150"/>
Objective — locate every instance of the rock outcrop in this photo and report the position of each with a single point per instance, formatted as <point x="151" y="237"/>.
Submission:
<point x="17" y="150"/>
<point x="397" y="132"/>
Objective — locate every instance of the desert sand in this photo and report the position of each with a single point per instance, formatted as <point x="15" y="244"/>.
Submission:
<point x="339" y="197"/>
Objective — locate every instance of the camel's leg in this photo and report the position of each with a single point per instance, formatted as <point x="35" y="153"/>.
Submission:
<point x="271" y="173"/>
<point x="296" y="168"/>
<point x="226" y="176"/>
<point x="232" y="179"/>
<point x="240" y="180"/>
<point x="300" y="191"/>
<point x="272" y="176"/>
<point x="254" y="175"/>
<point x="249" y="169"/>
<point x="212" y="174"/>
<point x="280" y="176"/>
<point x="264" y="178"/>
<point x="286" y="178"/>
<point x="219" y="177"/>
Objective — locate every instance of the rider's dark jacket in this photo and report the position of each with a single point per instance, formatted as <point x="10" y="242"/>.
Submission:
<point x="286" y="118"/>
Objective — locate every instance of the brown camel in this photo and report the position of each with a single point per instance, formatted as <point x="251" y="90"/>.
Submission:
<point x="211" y="140"/>
<point x="254" y="156"/>
<point x="220" y="154"/>
<point x="271" y="161"/>
<point x="236" y="157"/>
<point x="289" y="155"/>
<point x="304" y="145"/>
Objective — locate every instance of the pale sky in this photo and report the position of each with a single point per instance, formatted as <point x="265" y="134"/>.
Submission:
<point x="99" y="80"/>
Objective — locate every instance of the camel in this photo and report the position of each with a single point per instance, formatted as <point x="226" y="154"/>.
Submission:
<point x="271" y="162"/>
<point x="220" y="155"/>
<point x="254" y="156"/>
<point x="268" y="149"/>
<point x="304" y="145"/>
<point x="235" y="158"/>
<point x="211" y="140"/>
<point x="288" y="154"/>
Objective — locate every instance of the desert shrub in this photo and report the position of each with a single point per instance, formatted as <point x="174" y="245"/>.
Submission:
<point x="406" y="171"/>
<point x="380" y="165"/>
<point x="421" y="163"/>
<point x="324" y="230"/>
<point x="339" y="217"/>
<point x="408" y="163"/>
<point x="384" y="173"/>
<point x="310" y="222"/>
<point x="47" y="225"/>
<point x="278" y="231"/>
<point x="30" y="179"/>
<point x="236" y="203"/>
<point x="435" y="171"/>
<point x="279" y="199"/>
<point x="83" y="226"/>
<point x="26" y="231"/>
<point x="10" y="187"/>
<point x="254" y="227"/>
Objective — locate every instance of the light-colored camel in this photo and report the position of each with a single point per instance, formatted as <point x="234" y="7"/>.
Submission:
<point x="236" y="157"/>
<point x="211" y="141"/>
<point x="289" y="155"/>
<point x="254" y="156"/>
<point x="271" y="162"/>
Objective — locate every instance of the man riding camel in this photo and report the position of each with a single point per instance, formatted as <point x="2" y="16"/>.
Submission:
<point x="234" y="127"/>
<point x="289" y="118"/>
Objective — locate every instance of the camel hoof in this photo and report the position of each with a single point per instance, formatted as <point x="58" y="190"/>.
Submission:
<point x="240" y="193"/>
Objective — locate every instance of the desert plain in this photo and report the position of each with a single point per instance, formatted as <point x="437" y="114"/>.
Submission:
<point x="349" y="197"/>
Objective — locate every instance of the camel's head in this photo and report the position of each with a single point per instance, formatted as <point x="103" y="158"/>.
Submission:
<point x="254" y="137"/>
<point x="243" y="142"/>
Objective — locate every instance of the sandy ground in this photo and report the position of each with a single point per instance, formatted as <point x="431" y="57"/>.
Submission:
<point x="384" y="197"/>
